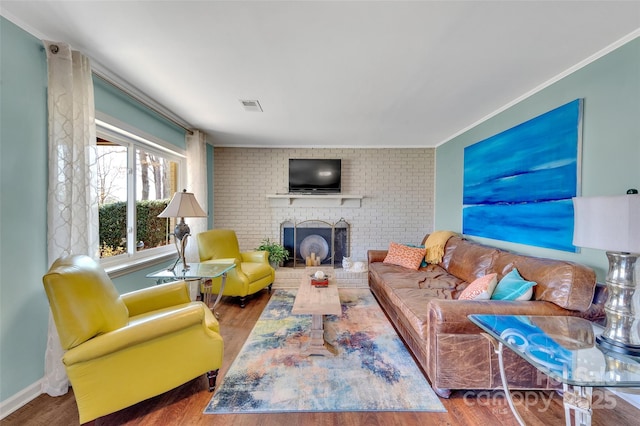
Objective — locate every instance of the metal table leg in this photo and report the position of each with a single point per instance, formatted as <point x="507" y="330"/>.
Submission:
<point x="577" y="398"/>
<point x="505" y="385"/>
<point x="208" y="294"/>
<point x="497" y="348"/>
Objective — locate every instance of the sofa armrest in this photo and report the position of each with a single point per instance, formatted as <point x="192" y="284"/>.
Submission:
<point x="450" y="316"/>
<point x="376" y="255"/>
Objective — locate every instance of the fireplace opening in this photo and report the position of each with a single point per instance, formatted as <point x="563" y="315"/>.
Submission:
<point x="315" y="239"/>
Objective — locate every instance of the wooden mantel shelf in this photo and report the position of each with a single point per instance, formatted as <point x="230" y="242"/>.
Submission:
<point x="315" y="200"/>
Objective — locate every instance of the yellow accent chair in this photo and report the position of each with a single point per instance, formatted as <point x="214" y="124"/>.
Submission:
<point x="123" y="349"/>
<point x="252" y="272"/>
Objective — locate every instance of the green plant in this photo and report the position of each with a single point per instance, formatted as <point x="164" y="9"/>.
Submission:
<point x="151" y="229"/>
<point x="277" y="252"/>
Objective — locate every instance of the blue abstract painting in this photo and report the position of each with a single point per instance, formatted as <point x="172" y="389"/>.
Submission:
<point x="518" y="184"/>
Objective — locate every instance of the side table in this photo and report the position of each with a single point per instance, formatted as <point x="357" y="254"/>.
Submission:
<point x="198" y="271"/>
<point x="563" y="348"/>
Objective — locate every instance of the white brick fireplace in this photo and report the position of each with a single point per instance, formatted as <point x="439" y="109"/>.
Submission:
<point x="396" y="186"/>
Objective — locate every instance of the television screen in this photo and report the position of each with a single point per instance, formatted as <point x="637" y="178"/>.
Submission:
<point x="314" y="175"/>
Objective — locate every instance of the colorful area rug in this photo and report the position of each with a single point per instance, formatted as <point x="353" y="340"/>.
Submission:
<point x="373" y="371"/>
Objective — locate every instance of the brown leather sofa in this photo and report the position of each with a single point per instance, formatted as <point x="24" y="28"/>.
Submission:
<point x="452" y="351"/>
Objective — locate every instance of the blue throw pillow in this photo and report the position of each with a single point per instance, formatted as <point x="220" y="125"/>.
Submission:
<point x="513" y="287"/>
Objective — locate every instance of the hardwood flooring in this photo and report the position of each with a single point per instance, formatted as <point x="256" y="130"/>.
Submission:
<point x="185" y="404"/>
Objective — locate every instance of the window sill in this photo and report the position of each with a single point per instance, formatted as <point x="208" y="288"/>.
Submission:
<point x="138" y="264"/>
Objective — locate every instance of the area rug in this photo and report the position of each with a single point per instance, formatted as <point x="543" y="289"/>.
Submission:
<point x="372" y="371"/>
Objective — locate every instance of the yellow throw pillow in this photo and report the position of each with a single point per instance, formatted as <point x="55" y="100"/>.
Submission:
<point x="401" y="255"/>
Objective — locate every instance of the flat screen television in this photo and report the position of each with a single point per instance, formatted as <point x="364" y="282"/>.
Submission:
<point x="315" y="175"/>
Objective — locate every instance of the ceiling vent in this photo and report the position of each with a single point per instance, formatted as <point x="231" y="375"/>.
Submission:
<point x="251" y="105"/>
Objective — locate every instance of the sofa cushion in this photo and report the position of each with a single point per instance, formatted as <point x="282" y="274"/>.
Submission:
<point x="468" y="260"/>
<point x="413" y="306"/>
<point x="513" y="287"/>
<point x="481" y="289"/>
<point x="401" y="255"/>
<point x="395" y="276"/>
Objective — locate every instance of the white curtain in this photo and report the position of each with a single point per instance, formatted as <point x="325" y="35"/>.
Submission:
<point x="196" y="183"/>
<point x="72" y="208"/>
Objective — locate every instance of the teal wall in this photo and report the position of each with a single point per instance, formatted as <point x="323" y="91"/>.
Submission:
<point x="610" y="87"/>
<point x="23" y="209"/>
<point x="116" y="104"/>
<point x="23" y="200"/>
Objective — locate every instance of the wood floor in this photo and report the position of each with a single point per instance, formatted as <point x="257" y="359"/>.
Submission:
<point x="184" y="405"/>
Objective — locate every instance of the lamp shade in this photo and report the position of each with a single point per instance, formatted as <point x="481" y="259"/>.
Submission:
<point x="607" y="223"/>
<point x="183" y="204"/>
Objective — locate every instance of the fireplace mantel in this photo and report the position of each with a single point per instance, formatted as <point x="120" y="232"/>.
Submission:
<point x="319" y="200"/>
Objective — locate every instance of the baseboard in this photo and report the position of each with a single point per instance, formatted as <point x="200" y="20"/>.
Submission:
<point x="20" y="399"/>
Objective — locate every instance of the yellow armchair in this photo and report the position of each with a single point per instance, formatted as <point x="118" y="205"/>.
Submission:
<point x="123" y="349"/>
<point x="252" y="272"/>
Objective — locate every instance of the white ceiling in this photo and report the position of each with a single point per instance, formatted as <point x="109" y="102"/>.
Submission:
<point x="333" y="73"/>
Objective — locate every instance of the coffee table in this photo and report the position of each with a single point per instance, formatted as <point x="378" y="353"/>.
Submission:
<point x="317" y="302"/>
<point x="564" y="348"/>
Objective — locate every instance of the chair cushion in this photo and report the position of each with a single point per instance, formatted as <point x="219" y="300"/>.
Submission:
<point x="84" y="302"/>
<point x="255" y="271"/>
<point x="217" y="244"/>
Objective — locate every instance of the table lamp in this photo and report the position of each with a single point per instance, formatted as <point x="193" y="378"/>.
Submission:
<point x="613" y="224"/>
<point x="183" y="204"/>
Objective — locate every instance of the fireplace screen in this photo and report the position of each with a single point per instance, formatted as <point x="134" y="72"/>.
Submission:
<point x="315" y="242"/>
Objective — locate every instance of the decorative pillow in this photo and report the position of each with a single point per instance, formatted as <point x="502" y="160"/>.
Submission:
<point x="480" y="289"/>
<point x="513" y="287"/>
<point x="424" y="263"/>
<point x="401" y="255"/>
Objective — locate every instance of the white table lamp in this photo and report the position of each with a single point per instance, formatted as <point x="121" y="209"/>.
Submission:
<point x="183" y="204"/>
<point x="613" y="224"/>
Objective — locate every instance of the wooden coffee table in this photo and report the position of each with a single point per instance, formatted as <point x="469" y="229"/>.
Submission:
<point x="317" y="302"/>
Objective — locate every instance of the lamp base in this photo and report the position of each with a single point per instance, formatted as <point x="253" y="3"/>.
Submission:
<point x="609" y="345"/>
<point x="180" y="248"/>
<point x="181" y="230"/>
<point x="622" y="331"/>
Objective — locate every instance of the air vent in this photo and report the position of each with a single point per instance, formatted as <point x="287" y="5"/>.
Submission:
<point x="251" y="105"/>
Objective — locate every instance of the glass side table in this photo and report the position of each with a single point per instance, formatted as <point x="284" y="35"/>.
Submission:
<point x="198" y="271"/>
<point x="564" y="348"/>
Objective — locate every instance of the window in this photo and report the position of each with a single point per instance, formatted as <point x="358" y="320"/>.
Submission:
<point x="136" y="180"/>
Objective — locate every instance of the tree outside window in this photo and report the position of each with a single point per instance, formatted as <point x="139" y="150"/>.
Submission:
<point x="135" y="184"/>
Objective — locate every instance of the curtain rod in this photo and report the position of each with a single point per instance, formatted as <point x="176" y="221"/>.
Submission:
<point x="143" y="102"/>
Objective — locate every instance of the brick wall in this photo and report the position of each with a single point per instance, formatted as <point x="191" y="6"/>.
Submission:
<point x="398" y="186"/>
